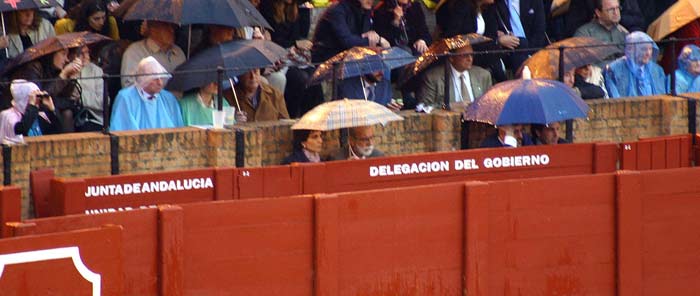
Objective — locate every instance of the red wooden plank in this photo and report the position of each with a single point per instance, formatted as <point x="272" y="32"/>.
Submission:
<point x="628" y="155"/>
<point x="170" y="250"/>
<point x="10" y="207"/>
<point x="629" y="234"/>
<point x="40" y="187"/>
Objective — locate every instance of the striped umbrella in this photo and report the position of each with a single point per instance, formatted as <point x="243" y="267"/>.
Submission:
<point x="345" y="114"/>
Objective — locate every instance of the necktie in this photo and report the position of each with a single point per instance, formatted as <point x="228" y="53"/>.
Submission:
<point x="463" y="89"/>
<point x="370" y="92"/>
<point x="515" y="23"/>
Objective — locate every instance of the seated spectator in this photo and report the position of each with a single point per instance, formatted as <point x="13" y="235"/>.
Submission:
<point x="467" y="82"/>
<point x="91" y="16"/>
<point x="593" y="75"/>
<point x="695" y="86"/>
<point x="306" y="147"/>
<point x="636" y="73"/>
<point x="372" y="87"/>
<point x="25" y="29"/>
<point x="581" y="87"/>
<point x="214" y="35"/>
<point x="159" y="44"/>
<point x="688" y="68"/>
<point x="196" y="106"/>
<point x="606" y="25"/>
<point x="360" y="145"/>
<point x="259" y="101"/>
<point x="57" y="73"/>
<point x="402" y="23"/>
<point x="92" y="87"/>
<point x="507" y="136"/>
<point x="546" y="134"/>
<point x="344" y="25"/>
<point x="32" y="114"/>
<point x="146" y="104"/>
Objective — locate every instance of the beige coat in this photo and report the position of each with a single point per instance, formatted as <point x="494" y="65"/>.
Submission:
<point x="44" y="31"/>
<point x="270" y="107"/>
<point x="431" y="91"/>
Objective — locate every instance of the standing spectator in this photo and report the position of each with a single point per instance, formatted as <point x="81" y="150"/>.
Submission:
<point x="197" y="106"/>
<point x="481" y="17"/>
<point x="632" y="17"/>
<point x="402" y="23"/>
<point x="32" y="114"/>
<point x="146" y="104"/>
<point x="290" y="22"/>
<point x="25" y="29"/>
<point x="159" y="44"/>
<point x="636" y="73"/>
<point x="306" y="147"/>
<point x="92" y="16"/>
<point x="360" y="145"/>
<point x="92" y="86"/>
<point x="606" y="26"/>
<point x="343" y="25"/>
<point x="465" y="82"/>
<point x="523" y="19"/>
<point x="259" y="101"/>
<point x="688" y="68"/>
<point x="580" y="12"/>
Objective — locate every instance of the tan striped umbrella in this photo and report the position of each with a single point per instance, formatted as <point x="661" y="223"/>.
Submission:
<point x="345" y="114"/>
<point x="678" y="15"/>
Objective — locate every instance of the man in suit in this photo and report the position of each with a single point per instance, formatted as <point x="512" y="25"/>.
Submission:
<point x="465" y="82"/>
<point x="373" y="87"/>
<point x="361" y="145"/>
<point x="524" y="19"/>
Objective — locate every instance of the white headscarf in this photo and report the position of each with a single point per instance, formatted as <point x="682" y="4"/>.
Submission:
<point x="149" y="65"/>
<point x="20" y="90"/>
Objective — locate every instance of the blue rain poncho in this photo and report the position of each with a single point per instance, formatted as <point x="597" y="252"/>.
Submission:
<point x="629" y="76"/>
<point x="684" y="78"/>
<point x="134" y="110"/>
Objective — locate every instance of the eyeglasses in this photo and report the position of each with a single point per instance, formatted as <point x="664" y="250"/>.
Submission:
<point x="613" y="9"/>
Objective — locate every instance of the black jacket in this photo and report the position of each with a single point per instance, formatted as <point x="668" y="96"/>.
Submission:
<point x="339" y="28"/>
<point x="296" y="156"/>
<point x="531" y="17"/>
<point x="285" y="34"/>
<point x="414" y="21"/>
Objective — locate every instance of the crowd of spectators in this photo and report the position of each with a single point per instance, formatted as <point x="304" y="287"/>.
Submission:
<point x="59" y="95"/>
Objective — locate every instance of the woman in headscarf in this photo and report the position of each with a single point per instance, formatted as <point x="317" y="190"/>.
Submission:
<point x="32" y="114"/>
<point x="636" y="73"/>
<point x="307" y="147"/>
<point x="688" y="68"/>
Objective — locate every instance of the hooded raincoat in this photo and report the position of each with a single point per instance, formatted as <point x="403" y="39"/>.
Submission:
<point x="629" y="76"/>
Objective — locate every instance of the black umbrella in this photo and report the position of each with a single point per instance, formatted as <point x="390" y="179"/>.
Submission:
<point x="236" y="57"/>
<point x="54" y="44"/>
<point x="230" y="13"/>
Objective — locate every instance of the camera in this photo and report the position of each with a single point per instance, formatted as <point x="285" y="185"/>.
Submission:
<point x="42" y="96"/>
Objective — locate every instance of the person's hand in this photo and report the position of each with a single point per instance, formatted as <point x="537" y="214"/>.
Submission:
<point x="112" y="6"/>
<point x="395" y="105"/>
<point x="508" y="41"/>
<point x="398" y="14"/>
<point x="47" y="102"/>
<point x="372" y="36"/>
<point x="33" y="99"/>
<point x="258" y="34"/>
<point x="383" y="43"/>
<point x="420" y="46"/>
<point x="59" y="12"/>
<point x="241" y="116"/>
<point x="304" y="44"/>
<point x="4" y="42"/>
<point x="307" y="5"/>
<point x="72" y="69"/>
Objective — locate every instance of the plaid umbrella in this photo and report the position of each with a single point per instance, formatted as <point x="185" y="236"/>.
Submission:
<point x="345" y="114"/>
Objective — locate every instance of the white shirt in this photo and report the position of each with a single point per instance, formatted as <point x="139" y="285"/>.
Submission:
<point x="457" y="78"/>
<point x="367" y="86"/>
<point x="480" y="24"/>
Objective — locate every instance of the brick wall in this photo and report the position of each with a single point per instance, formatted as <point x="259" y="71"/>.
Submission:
<point x="267" y="143"/>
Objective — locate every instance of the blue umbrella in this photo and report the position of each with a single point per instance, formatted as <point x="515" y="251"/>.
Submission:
<point x="527" y="101"/>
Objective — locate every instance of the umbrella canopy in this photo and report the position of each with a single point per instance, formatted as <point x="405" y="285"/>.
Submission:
<point x="526" y="101"/>
<point x="345" y="114"/>
<point x="444" y="46"/>
<point x="396" y="57"/>
<point x="231" y="13"/>
<point x="579" y="51"/>
<point x="10" y="5"/>
<point x="236" y="57"/>
<point x="353" y="62"/>
<point x="54" y="44"/>
<point x="675" y="17"/>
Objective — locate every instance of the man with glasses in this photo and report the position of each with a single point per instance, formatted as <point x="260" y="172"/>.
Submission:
<point x="361" y="145"/>
<point x="606" y="26"/>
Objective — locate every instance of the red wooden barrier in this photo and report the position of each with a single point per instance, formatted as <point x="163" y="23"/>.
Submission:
<point x="10" y="207"/>
<point x="140" y="237"/>
<point x="657" y="153"/>
<point x="124" y="192"/>
<point x="269" y="181"/>
<point x="249" y="247"/>
<point x="83" y="262"/>
<point x="40" y="184"/>
<point x="477" y="164"/>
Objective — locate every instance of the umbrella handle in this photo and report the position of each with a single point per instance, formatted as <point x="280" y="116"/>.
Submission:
<point x="235" y="97"/>
<point x="2" y="16"/>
